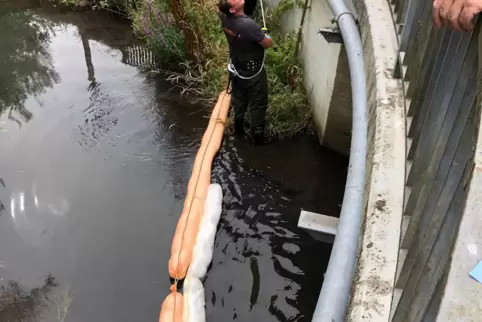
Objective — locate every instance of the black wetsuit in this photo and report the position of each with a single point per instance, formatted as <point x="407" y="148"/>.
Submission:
<point x="244" y="35"/>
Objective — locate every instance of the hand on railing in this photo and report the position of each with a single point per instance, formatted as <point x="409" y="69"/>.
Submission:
<point x="458" y="15"/>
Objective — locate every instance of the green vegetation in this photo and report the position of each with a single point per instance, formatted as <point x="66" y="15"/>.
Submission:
<point x="289" y="112"/>
<point x="153" y="22"/>
<point x="188" y="37"/>
<point x="195" y="31"/>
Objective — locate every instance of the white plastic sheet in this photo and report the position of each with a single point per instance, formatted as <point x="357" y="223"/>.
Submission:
<point x="203" y="249"/>
<point x="194" y="301"/>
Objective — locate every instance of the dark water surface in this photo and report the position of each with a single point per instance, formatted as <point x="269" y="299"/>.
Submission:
<point x="95" y="159"/>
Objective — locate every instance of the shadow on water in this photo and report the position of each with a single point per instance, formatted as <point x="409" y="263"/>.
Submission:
<point x="96" y="157"/>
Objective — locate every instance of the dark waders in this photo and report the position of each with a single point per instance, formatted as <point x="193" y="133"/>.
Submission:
<point x="250" y="93"/>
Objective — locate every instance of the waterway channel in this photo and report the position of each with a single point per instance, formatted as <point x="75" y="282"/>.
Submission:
<point x="95" y="156"/>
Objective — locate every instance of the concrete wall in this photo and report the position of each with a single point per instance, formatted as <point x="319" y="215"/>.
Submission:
<point x="327" y="76"/>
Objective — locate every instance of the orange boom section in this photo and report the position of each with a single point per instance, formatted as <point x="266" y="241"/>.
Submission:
<point x="188" y="224"/>
<point x="172" y="308"/>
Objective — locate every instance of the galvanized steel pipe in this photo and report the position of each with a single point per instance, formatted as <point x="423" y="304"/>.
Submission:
<point x="335" y="293"/>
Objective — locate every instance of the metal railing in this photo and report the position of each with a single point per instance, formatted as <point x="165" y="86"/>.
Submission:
<point x="439" y="68"/>
<point x="335" y="293"/>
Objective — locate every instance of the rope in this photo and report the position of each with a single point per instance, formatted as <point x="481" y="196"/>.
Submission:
<point x="262" y="14"/>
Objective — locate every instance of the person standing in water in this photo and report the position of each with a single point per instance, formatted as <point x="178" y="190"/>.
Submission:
<point x="247" y="44"/>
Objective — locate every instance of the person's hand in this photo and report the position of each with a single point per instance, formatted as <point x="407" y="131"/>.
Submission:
<point x="266" y="33"/>
<point x="456" y="14"/>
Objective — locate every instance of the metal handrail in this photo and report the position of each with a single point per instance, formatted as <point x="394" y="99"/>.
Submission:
<point x="335" y="293"/>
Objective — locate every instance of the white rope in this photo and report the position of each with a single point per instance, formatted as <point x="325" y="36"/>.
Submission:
<point x="262" y="14"/>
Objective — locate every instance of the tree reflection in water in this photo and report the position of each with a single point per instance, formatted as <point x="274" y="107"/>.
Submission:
<point x="18" y="305"/>
<point x="25" y="61"/>
<point x="26" y="71"/>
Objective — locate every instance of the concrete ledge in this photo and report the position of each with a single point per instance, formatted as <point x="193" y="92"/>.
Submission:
<point x="373" y="287"/>
<point x="326" y="74"/>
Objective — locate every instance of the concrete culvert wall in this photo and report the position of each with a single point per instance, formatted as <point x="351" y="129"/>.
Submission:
<point x="327" y="76"/>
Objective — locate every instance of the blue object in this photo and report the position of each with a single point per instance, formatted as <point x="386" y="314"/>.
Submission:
<point x="268" y="36"/>
<point x="476" y="273"/>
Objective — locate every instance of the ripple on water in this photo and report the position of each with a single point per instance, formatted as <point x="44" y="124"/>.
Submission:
<point x="259" y="268"/>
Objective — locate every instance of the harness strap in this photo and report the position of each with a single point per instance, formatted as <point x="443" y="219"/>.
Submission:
<point x="232" y="69"/>
<point x="229" y="88"/>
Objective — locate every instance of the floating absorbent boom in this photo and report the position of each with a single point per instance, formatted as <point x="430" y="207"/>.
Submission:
<point x="193" y="242"/>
